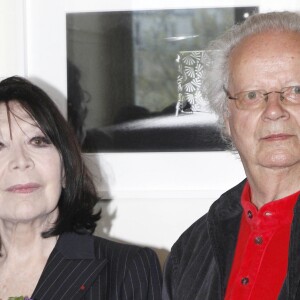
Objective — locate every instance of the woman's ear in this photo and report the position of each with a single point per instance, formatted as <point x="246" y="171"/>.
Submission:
<point x="63" y="182"/>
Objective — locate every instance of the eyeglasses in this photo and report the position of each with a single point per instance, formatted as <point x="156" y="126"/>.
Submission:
<point x="258" y="98"/>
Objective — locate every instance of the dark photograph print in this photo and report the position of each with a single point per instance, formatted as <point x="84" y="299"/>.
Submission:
<point x="134" y="78"/>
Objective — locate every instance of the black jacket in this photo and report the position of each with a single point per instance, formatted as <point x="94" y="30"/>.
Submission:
<point x="200" y="261"/>
<point x="89" y="267"/>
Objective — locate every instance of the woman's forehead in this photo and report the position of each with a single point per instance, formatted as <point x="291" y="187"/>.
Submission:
<point x="15" y="108"/>
<point x="13" y="112"/>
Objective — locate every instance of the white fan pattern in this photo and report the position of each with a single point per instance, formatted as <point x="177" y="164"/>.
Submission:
<point x="190" y="81"/>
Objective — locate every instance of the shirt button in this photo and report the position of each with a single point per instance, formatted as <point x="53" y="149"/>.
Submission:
<point x="245" y="280"/>
<point x="258" y="240"/>
<point x="249" y="213"/>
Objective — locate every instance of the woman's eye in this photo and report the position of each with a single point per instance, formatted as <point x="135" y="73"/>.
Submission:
<point x="40" y="141"/>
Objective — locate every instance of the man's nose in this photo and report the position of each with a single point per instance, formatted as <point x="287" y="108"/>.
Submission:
<point x="274" y="109"/>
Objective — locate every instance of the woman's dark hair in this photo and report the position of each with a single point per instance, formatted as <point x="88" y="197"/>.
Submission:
<point x="79" y="196"/>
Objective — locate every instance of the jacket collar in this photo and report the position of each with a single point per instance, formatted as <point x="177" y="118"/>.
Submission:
<point x="76" y="246"/>
<point x="228" y="205"/>
<point x="71" y="269"/>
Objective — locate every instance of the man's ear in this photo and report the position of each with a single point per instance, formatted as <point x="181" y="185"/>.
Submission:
<point x="227" y="126"/>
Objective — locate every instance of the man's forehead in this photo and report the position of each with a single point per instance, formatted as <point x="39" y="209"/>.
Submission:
<point x="266" y="40"/>
<point x="268" y="54"/>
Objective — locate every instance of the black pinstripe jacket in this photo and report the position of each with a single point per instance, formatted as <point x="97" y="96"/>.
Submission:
<point x="89" y="267"/>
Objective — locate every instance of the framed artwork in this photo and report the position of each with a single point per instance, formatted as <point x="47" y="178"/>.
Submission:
<point x="135" y="78"/>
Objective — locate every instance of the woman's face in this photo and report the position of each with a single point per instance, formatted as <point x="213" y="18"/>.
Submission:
<point x="31" y="170"/>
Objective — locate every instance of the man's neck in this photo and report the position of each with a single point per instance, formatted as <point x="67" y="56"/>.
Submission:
<point x="272" y="184"/>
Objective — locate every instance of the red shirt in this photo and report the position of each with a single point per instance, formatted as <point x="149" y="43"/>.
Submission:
<point x="261" y="256"/>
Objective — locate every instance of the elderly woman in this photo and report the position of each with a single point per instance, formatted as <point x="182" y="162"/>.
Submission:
<point x="248" y="245"/>
<point x="46" y="212"/>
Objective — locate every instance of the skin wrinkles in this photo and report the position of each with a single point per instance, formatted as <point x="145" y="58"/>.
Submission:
<point x="267" y="139"/>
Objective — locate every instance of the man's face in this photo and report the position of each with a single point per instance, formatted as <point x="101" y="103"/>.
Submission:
<point x="268" y="136"/>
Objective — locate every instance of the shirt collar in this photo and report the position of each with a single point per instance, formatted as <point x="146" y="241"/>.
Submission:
<point x="272" y="214"/>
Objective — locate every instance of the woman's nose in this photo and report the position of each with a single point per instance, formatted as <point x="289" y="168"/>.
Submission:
<point x="20" y="159"/>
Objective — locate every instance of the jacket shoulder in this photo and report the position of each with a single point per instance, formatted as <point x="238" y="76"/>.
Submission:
<point x="192" y="264"/>
<point x="112" y="250"/>
<point x="132" y="264"/>
<point x="226" y="205"/>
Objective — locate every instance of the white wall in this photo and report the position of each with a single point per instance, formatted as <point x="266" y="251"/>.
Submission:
<point x="12" y="50"/>
<point x="155" y="195"/>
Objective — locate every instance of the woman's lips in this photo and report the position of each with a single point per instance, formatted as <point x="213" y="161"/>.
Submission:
<point x="23" y="188"/>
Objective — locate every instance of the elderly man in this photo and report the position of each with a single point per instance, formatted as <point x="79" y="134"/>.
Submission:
<point x="248" y="245"/>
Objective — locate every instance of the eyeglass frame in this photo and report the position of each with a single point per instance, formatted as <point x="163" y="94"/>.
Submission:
<point x="266" y="94"/>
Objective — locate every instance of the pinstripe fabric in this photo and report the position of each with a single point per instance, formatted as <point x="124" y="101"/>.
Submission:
<point x="89" y="267"/>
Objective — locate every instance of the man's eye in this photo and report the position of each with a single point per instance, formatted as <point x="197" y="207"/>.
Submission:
<point x="296" y="89"/>
<point x="40" y="141"/>
<point x="252" y="95"/>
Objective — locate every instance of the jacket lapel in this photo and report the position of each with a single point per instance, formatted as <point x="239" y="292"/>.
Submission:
<point x="223" y="226"/>
<point x="71" y="269"/>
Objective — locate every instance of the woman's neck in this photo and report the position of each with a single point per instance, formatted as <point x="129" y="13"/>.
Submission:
<point x="24" y="239"/>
